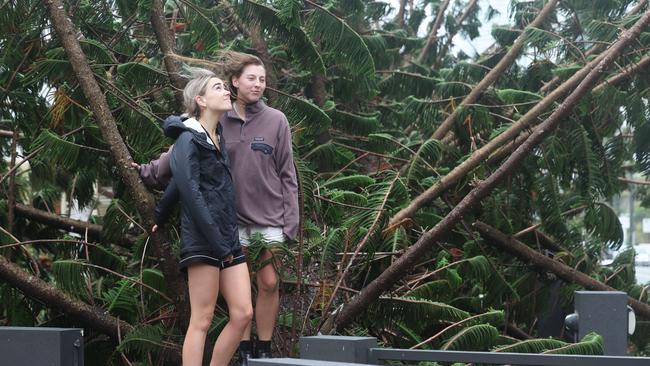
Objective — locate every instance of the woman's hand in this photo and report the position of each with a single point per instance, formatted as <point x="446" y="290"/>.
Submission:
<point x="154" y="228"/>
<point x="135" y="165"/>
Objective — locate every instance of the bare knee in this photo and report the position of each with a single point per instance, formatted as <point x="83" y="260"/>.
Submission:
<point x="267" y="280"/>
<point x="201" y="322"/>
<point x="241" y="316"/>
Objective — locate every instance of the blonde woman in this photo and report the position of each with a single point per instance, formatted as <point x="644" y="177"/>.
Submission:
<point x="210" y="250"/>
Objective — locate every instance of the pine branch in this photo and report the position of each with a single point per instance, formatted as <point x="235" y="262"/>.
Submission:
<point x="626" y="73"/>
<point x="144" y="200"/>
<point x="399" y="18"/>
<point x="497" y="71"/>
<point x="39" y="290"/>
<point x="396" y="270"/>
<point x="11" y="191"/>
<point x="459" y="21"/>
<point x="593" y="50"/>
<point x="540" y="261"/>
<point x="491" y="152"/>
<point x="166" y="43"/>
<point x="433" y="33"/>
<point x="67" y="224"/>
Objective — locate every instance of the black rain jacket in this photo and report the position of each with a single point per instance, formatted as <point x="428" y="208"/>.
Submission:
<point x="201" y="179"/>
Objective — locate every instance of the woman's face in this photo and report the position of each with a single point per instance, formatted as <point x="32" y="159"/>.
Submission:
<point x="250" y="84"/>
<point x="216" y="97"/>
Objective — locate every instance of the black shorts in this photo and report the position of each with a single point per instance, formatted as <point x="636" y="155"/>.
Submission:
<point x="238" y="257"/>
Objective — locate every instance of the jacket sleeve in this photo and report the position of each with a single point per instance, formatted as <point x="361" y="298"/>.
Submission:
<point x="156" y="173"/>
<point x="185" y="168"/>
<point x="167" y="202"/>
<point x="288" y="181"/>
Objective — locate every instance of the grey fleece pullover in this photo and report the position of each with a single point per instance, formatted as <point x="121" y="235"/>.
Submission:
<point x="260" y="151"/>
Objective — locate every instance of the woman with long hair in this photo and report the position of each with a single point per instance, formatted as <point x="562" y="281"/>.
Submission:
<point x="258" y="142"/>
<point x="210" y="250"/>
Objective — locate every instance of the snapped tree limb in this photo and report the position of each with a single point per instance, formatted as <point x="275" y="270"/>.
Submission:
<point x="402" y="265"/>
<point x="496" y="71"/>
<point x="39" y="290"/>
<point x="567" y="273"/>
<point x="102" y="114"/>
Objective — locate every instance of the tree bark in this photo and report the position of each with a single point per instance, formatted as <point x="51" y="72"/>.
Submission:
<point x="627" y="72"/>
<point x="594" y="49"/>
<point x="144" y="200"/>
<point x="497" y="71"/>
<point x="11" y="191"/>
<point x="459" y="21"/>
<point x="433" y="34"/>
<point x="5" y="133"/>
<point x="39" y="290"/>
<point x="402" y="265"/>
<point x="81" y="227"/>
<point x="489" y="151"/>
<point x="399" y="18"/>
<point x="166" y="43"/>
<point x="568" y="274"/>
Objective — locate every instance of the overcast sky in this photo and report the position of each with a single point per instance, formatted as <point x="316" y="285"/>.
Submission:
<point x="460" y="42"/>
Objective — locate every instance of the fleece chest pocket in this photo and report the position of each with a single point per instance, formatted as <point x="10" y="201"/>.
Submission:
<point x="264" y="148"/>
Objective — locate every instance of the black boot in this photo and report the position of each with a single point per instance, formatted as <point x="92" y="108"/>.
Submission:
<point x="263" y="349"/>
<point x="245" y="352"/>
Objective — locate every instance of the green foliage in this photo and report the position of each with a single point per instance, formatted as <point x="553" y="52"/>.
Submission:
<point x="303" y="114"/>
<point x="148" y="338"/>
<point x="362" y="113"/>
<point x="603" y="222"/>
<point x="345" y="45"/>
<point x="532" y="346"/>
<point x="591" y="344"/>
<point x="122" y="299"/>
<point x="71" y="275"/>
<point x="296" y="38"/>
<point x="474" y="338"/>
<point x="409" y="309"/>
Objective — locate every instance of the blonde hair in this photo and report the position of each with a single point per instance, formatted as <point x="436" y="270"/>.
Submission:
<point x="196" y="87"/>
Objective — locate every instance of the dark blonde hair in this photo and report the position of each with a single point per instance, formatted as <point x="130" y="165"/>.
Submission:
<point x="231" y="64"/>
<point x="234" y="64"/>
<point x="196" y="87"/>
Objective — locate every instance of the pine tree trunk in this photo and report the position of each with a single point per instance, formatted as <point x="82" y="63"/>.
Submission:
<point x="459" y="21"/>
<point x="166" y="43"/>
<point x="433" y="33"/>
<point x="52" y="220"/>
<point x="102" y="115"/>
<point x="542" y="262"/>
<point x="497" y="71"/>
<point x="39" y="290"/>
<point x="489" y="152"/>
<point x="11" y="191"/>
<point x="400" y="267"/>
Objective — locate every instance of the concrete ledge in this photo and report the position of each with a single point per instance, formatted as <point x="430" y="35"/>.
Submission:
<point x="295" y="362"/>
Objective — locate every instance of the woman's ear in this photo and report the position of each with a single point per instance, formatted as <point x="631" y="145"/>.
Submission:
<point x="200" y="102"/>
<point x="234" y="82"/>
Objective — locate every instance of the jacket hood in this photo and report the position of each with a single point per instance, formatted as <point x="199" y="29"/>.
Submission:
<point x="175" y="125"/>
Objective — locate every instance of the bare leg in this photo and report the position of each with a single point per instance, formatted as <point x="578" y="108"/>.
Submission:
<point x="203" y="283"/>
<point x="268" y="298"/>
<point x="249" y="328"/>
<point x="236" y="290"/>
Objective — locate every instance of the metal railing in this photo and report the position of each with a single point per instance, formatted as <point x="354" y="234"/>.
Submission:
<point x="603" y="312"/>
<point x="376" y="355"/>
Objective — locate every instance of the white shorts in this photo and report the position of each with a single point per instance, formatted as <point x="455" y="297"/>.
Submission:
<point x="272" y="234"/>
